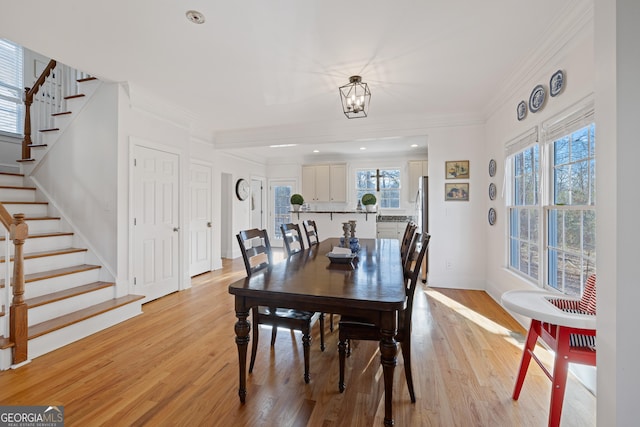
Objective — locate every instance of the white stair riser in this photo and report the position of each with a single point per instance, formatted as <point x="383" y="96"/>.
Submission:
<point x="69" y="305"/>
<point x="11" y="180"/>
<point x="56" y="284"/>
<point x="43" y="226"/>
<point x="37" y="210"/>
<point x="41" y="244"/>
<point x="60" y="338"/>
<point x="38" y="265"/>
<point x="17" y="195"/>
<point x="6" y="358"/>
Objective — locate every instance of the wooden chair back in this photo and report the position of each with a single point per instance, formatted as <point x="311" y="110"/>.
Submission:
<point x="311" y="231"/>
<point x="256" y="249"/>
<point x="292" y="237"/>
<point x="412" y="276"/>
<point x="407" y="237"/>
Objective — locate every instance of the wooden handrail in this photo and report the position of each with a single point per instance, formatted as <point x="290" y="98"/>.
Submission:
<point x="5" y="217"/>
<point x="28" y="100"/>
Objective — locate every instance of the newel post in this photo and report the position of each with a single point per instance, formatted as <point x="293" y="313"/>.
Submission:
<point x="18" y="320"/>
<point x="26" y="142"/>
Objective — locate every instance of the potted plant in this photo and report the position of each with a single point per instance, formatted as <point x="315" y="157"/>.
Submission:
<point x="369" y="201"/>
<point x="296" y="201"/>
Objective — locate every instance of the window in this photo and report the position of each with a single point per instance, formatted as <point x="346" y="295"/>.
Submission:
<point x="389" y="196"/>
<point x="11" y="70"/>
<point x="552" y="221"/>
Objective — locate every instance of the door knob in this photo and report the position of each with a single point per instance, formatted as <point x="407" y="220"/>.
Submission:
<point x="209" y="224"/>
<point x="176" y="229"/>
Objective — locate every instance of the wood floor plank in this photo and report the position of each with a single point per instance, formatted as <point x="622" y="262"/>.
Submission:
<point x="177" y="365"/>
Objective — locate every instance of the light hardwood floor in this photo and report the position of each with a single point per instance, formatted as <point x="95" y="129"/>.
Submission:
<point x="176" y="365"/>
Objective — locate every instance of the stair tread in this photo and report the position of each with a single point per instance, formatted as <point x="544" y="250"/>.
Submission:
<point x="5" y="343"/>
<point x="16" y="187"/>
<point x="86" y="79"/>
<point x="22" y="203"/>
<point x="25" y="160"/>
<point x="52" y="252"/>
<point x="62" y="113"/>
<point x="80" y="315"/>
<point x="37" y="145"/>
<point x="67" y="293"/>
<point x="78" y="95"/>
<point x="49" y="234"/>
<point x="49" y="130"/>
<point x="41" y="218"/>
<point x="33" y="277"/>
<point x="12" y="174"/>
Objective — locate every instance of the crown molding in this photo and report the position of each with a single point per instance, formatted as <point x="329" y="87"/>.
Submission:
<point x="571" y="23"/>
<point x="339" y="131"/>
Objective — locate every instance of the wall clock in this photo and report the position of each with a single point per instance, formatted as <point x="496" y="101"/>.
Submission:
<point x="242" y="189"/>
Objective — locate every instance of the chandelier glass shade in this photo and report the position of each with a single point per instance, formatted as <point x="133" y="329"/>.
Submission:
<point x="355" y="97"/>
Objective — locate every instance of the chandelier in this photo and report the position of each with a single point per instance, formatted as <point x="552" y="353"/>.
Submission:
<point x="355" y="97"/>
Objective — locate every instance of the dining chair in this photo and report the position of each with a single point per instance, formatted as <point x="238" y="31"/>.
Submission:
<point x="571" y="344"/>
<point x="407" y="237"/>
<point x="354" y="328"/>
<point x="292" y="237"/>
<point x="311" y="231"/>
<point x="257" y="255"/>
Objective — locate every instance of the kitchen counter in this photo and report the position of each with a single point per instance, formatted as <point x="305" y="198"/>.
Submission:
<point x="329" y="222"/>
<point x="394" y="218"/>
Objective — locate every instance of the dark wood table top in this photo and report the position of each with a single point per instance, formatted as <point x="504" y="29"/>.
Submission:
<point x="310" y="281"/>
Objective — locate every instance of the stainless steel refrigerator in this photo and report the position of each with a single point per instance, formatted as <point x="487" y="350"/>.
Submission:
<point x="422" y="216"/>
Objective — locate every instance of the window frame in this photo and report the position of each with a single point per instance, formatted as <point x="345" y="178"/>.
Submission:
<point x="379" y="194"/>
<point x="567" y="123"/>
<point x="16" y="86"/>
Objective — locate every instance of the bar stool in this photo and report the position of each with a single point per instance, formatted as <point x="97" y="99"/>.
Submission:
<point x="566" y="325"/>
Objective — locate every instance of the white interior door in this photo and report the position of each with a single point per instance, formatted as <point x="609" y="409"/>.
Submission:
<point x="281" y="192"/>
<point x="200" y="223"/>
<point x="156" y="222"/>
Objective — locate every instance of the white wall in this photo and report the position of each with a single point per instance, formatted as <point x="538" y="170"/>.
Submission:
<point x="78" y="173"/>
<point x="577" y="60"/>
<point x="10" y="152"/>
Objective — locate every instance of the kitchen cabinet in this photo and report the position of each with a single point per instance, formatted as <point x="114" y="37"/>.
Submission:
<point x="390" y="230"/>
<point x="324" y="183"/>
<point x="417" y="168"/>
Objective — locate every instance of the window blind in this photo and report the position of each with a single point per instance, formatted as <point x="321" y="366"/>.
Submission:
<point x="11" y="72"/>
<point x="521" y="142"/>
<point x="573" y="118"/>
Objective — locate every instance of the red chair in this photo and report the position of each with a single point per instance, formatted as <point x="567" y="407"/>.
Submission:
<point x="567" y="326"/>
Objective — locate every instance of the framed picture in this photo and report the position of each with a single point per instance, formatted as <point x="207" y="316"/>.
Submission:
<point x="457" y="169"/>
<point x="456" y="192"/>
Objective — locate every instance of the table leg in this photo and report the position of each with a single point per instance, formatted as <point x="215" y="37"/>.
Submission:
<point x="242" y="328"/>
<point x="388" y="351"/>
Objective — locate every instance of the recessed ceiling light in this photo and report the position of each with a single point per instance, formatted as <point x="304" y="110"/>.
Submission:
<point x="414" y="145"/>
<point x="195" y="16"/>
<point x="316" y="151"/>
<point x="282" y="145"/>
<point x="363" y="148"/>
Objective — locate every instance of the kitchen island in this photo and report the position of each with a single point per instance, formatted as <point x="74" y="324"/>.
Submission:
<point x="329" y="222"/>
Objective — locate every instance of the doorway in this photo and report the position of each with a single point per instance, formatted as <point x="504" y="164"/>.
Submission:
<point x="156" y="197"/>
<point x="280" y="193"/>
<point x="200" y="225"/>
<point x="257" y="203"/>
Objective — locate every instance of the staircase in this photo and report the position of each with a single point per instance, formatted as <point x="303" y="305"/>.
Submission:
<point x="68" y="298"/>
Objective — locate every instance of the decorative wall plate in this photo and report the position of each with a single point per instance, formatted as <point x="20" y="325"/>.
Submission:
<point x="492" y="191"/>
<point x="492" y="216"/>
<point x="556" y="84"/>
<point x="522" y="110"/>
<point x="537" y="98"/>
<point x="492" y="167"/>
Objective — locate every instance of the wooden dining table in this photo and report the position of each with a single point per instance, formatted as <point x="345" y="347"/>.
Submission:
<point x="372" y="286"/>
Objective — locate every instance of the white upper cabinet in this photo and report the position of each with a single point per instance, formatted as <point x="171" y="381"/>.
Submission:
<point x="417" y="168"/>
<point x="324" y="183"/>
